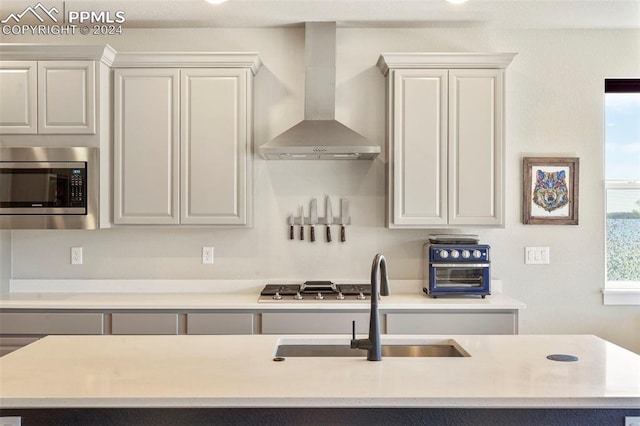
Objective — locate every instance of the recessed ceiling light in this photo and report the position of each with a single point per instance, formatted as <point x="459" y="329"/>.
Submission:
<point x="219" y="1"/>
<point x="457" y="1"/>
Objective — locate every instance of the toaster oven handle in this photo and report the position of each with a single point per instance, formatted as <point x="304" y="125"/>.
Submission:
<point x="459" y="265"/>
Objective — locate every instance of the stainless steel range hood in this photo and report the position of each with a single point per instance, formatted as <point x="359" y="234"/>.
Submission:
<point x="319" y="136"/>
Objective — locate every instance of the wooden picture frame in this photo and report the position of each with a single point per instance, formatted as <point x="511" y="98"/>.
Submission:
<point x="550" y="194"/>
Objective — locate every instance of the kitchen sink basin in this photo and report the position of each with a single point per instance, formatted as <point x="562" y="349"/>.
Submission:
<point x="394" y="348"/>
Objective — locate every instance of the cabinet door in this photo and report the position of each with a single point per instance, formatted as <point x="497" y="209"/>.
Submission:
<point x="144" y="323"/>
<point x="452" y="323"/>
<point x="66" y="97"/>
<point x="215" y="138"/>
<point x="18" y="97"/>
<point x="476" y="147"/>
<point x="146" y="146"/>
<point x="314" y="323"/>
<point x="43" y="323"/>
<point x="220" y="323"/>
<point x="417" y="149"/>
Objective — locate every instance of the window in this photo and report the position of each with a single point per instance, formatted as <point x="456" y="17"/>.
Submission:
<point x="622" y="185"/>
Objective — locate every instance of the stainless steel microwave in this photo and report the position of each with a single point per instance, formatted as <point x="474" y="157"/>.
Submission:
<point x="49" y="188"/>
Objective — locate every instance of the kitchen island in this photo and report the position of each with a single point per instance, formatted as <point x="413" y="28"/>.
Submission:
<point x="235" y="378"/>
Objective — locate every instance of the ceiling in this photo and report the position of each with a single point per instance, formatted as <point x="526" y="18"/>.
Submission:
<point x="359" y="13"/>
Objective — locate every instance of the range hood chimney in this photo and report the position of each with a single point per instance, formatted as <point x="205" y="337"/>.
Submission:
<point x="319" y="136"/>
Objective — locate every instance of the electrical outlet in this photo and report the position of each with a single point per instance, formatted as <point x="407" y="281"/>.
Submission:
<point x="10" y="421"/>
<point x="631" y="421"/>
<point x="536" y="255"/>
<point x="207" y="255"/>
<point x="76" y="255"/>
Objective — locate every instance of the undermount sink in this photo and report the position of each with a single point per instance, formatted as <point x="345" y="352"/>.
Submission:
<point x="412" y="348"/>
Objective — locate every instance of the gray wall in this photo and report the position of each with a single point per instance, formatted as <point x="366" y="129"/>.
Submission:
<point x="554" y="108"/>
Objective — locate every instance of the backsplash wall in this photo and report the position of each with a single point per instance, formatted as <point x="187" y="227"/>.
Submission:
<point x="554" y="107"/>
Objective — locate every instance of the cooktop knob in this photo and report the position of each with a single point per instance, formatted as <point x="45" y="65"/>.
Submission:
<point x="319" y="297"/>
<point x="298" y="296"/>
<point x="455" y="254"/>
<point x="477" y="254"/>
<point x="277" y="296"/>
<point x="466" y="254"/>
<point x="340" y="296"/>
<point x="361" y="296"/>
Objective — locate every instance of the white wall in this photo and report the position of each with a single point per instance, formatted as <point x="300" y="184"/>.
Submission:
<point x="554" y="107"/>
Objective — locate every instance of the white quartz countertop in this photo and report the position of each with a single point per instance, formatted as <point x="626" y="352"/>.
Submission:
<point x="67" y="294"/>
<point x="213" y="301"/>
<point x="239" y="371"/>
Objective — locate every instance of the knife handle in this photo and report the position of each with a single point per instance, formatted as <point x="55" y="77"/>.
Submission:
<point x="343" y="234"/>
<point x="328" y="233"/>
<point x="291" y="232"/>
<point x="302" y="232"/>
<point x="313" y="233"/>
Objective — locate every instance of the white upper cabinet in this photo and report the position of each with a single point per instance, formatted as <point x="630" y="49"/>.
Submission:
<point x="146" y="146"/>
<point x="182" y="139"/>
<point x="53" y="89"/>
<point x="445" y="139"/>
<point x="18" y="96"/>
<point x="66" y="97"/>
<point x="215" y="152"/>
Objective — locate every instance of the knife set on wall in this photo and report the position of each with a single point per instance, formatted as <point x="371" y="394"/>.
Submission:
<point x="312" y="220"/>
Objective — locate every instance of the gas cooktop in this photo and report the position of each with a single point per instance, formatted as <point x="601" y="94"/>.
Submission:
<point x="315" y="291"/>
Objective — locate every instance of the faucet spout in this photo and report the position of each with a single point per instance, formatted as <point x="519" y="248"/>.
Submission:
<point x="379" y="287"/>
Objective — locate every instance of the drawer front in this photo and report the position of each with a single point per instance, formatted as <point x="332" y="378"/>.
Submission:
<point x="10" y="344"/>
<point x="219" y="323"/>
<point x="158" y="323"/>
<point x="51" y="323"/>
<point x="314" y="323"/>
<point x="452" y="323"/>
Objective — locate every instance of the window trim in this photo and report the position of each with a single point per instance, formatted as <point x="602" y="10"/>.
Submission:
<point x="619" y="292"/>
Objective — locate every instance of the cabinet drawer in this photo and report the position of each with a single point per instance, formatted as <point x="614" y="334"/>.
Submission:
<point x="10" y="344"/>
<point x="51" y="323"/>
<point x="452" y="323"/>
<point x="158" y="323"/>
<point x="219" y="324"/>
<point x="314" y="323"/>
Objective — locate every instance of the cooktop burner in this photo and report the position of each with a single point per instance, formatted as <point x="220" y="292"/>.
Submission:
<point x="315" y="291"/>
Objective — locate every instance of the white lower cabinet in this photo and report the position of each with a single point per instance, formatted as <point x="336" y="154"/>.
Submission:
<point x="220" y="323"/>
<point x="10" y="344"/>
<point x="18" y="329"/>
<point x="452" y="323"/>
<point x="144" y="323"/>
<point x="21" y="328"/>
<point x="43" y="323"/>
<point x="314" y="323"/>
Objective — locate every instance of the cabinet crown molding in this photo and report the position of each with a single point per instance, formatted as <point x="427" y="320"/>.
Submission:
<point x="45" y="52"/>
<point x="249" y="60"/>
<point x="422" y="60"/>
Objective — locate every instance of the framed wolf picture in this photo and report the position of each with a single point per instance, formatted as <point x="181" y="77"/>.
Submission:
<point x="550" y="194"/>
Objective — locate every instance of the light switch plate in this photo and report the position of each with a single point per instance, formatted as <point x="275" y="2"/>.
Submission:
<point x="536" y="255"/>
<point x="631" y="421"/>
<point x="10" y="421"/>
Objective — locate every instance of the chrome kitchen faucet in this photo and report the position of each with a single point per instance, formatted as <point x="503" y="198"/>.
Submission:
<point x="379" y="287"/>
